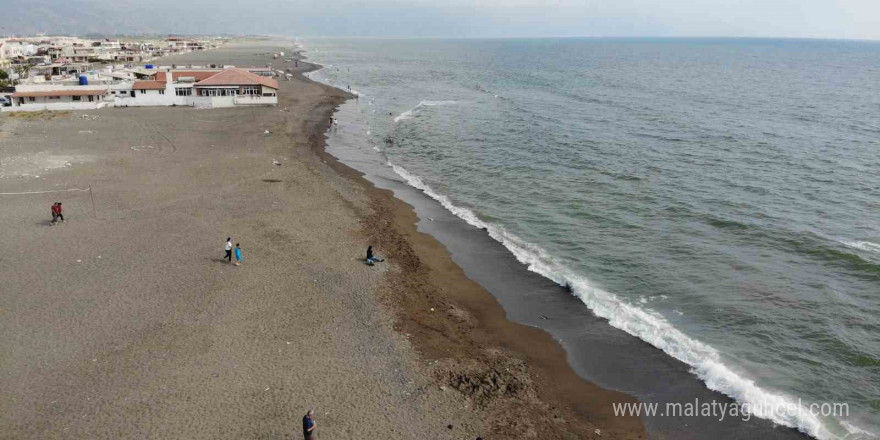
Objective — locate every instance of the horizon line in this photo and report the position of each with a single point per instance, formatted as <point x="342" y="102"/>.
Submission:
<point x="446" y="37"/>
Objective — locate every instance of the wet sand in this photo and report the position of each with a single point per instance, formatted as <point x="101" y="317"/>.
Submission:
<point x="125" y="321"/>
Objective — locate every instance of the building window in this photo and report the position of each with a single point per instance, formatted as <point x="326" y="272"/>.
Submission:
<point x="143" y="92"/>
<point x="183" y="91"/>
<point x="31" y="99"/>
<point x="251" y="90"/>
<point x="77" y="98"/>
<point x="161" y="92"/>
<point x="219" y="92"/>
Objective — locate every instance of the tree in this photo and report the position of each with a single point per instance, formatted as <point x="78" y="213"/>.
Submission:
<point x="22" y="70"/>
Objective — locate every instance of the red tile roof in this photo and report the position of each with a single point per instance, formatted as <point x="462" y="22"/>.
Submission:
<point x="197" y="74"/>
<point x="234" y="76"/>
<point x="68" y="92"/>
<point x="148" y="85"/>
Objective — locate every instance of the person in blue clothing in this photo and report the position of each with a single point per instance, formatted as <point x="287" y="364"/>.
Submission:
<point x="237" y="254"/>
<point x="309" y="425"/>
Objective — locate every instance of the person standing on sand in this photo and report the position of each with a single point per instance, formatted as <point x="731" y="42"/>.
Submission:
<point x="309" y="425"/>
<point x="237" y="254"/>
<point x="371" y="258"/>
<point x="56" y="213"/>
<point x="228" y="248"/>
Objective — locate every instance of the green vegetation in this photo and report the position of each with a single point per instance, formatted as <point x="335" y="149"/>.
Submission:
<point x="22" y="70"/>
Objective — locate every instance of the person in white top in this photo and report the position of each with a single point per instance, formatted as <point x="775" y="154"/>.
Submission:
<point x="228" y="248"/>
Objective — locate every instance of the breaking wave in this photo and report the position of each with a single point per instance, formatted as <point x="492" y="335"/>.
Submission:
<point x="705" y="361"/>
<point x="866" y="246"/>
<point x="409" y="114"/>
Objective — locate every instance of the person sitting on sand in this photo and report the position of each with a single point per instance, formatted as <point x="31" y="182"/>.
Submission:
<point x="371" y="258"/>
<point x="309" y="425"/>
<point x="237" y="254"/>
<point x="56" y="213"/>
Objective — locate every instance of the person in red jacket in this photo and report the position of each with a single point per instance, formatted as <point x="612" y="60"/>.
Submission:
<point x="56" y="213"/>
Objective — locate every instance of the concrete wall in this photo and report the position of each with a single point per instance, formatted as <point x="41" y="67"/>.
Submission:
<point x="38" y="106"/>
<point x="151" y="100"/>
<point x="255" y="100"/>
<point x="221" y="101"/>
<point x="53" y="87"/>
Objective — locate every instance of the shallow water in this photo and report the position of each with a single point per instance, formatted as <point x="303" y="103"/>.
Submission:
<point x="717" y="199"/>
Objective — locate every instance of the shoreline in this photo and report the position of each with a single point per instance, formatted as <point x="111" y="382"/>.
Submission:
<point x="599" y="352"/>
<point x="450" y="314"/>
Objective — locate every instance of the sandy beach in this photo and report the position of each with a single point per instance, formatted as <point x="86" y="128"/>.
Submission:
<point x="125" y="321"/>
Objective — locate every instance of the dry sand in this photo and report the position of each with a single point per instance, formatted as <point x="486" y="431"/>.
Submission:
<point x="125" y="321"/>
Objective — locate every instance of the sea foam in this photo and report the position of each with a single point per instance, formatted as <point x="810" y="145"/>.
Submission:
<point x="705" y="361"/>
<point x="413" y="111"/>
<point x="866" y="246"/>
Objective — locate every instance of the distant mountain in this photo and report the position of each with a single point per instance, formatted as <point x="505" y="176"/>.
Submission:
<point x="237" y="17"/>
<point x="79" y="17"/>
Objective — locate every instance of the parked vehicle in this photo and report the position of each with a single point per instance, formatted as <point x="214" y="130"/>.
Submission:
<point x="5" y="102"/>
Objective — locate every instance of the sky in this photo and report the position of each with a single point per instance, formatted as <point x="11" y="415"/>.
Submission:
<point x="849" y="19"/>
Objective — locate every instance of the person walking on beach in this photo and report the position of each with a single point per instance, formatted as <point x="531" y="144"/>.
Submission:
<point x="371" y="258"/>
<point x="309" y="425"/>
<point x="56" y="213"/>
<point x="237" y="254"/>
<point x="228" y="248"/>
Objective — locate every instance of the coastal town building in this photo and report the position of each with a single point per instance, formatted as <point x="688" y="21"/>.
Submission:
<point x="58" y="97"/>
<point x="14" y="48"/>
<point x="63" y="73"/>
<point x="204" y="88"/>
<point x="58" y="69"/>
<point x="49" y="58"/>
<point x="194" y="87"/>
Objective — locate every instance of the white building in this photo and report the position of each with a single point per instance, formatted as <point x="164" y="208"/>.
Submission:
<point x="13" y="48"/>
<point x="57" y="97"/>
<point x="205" y="88"/>
<point x="201" y="88"/>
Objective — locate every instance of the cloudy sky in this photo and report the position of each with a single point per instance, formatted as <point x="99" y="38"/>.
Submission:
<point x="453" y="18"/>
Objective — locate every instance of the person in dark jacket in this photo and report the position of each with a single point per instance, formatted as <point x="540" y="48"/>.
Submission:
<point x="372" y="258"/>
<point x="309" y="425"/>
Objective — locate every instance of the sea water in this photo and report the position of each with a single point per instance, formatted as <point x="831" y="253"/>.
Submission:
<point x="717" y="198"/>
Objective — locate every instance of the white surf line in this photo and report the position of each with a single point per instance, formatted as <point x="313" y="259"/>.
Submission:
<point x="45" y="192"/>
<point x="705" y="362"/>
